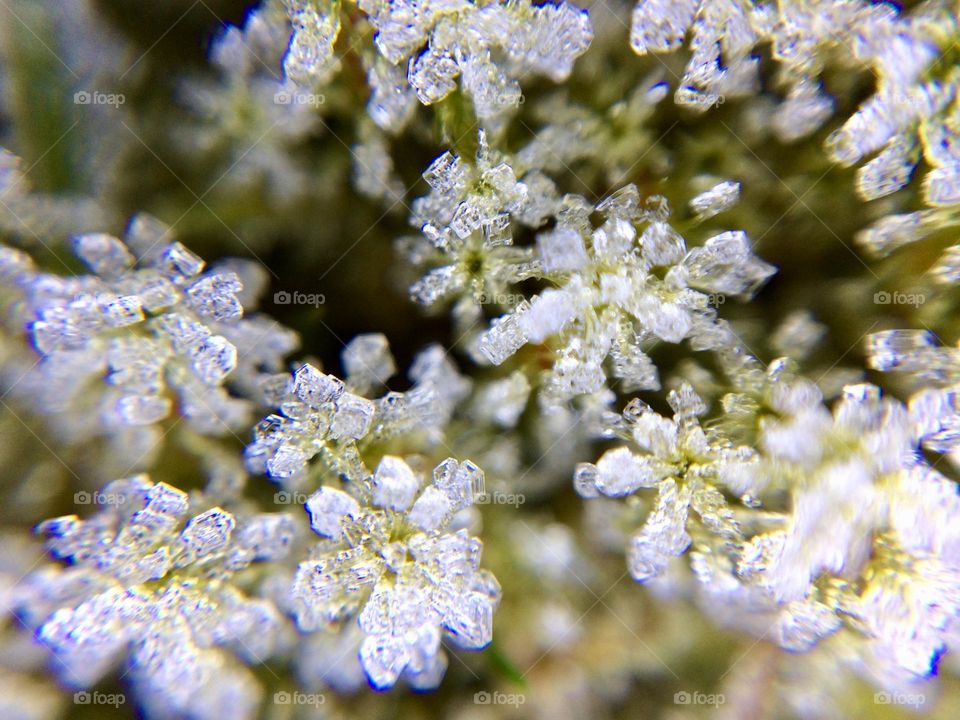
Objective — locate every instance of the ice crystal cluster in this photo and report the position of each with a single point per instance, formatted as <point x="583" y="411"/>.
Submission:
<point x="479" y="358"/>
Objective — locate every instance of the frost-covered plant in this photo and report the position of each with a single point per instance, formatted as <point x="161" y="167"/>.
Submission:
<point x="153" y="587"/>
<point x="399" y="566"/>
<point x="779" y="474"/>
<point x="148" y="331"/>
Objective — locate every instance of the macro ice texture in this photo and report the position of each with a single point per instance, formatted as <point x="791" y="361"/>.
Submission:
<point x="392" y="561"/>
<point x="150" y="334"/>
<point x="619" y="288"/>
<point x="153" y="586"/>
<point x="320" y="415"/>
<point x="686" y="468"/>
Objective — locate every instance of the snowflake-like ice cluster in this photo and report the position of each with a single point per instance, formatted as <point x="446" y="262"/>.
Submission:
<point x="393" y="558"/>
<point x="621" y="287"/>
<point x="321" y="413"/>
<point x="913" y="111"/>
<point x="689" y="470"/>
<point x="153" y="585"/>
<point x="148" y="333"/>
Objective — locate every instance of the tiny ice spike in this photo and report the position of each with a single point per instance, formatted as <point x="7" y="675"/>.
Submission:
<point x="392" y="561"/>
<point x="150" y="333"/>
<point x="148" y="587"/>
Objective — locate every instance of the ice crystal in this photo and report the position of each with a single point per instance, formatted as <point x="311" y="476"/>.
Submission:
<point x="151" y="331"/>
<point x="902" y="49"/>
<point x="319" y="414"/>
<point x="426" y="38"/>
<point x="153" y="588"/>
<point x="619" y="288"/>
<point x="391" y="561"/>
<point x="688" y="469"/>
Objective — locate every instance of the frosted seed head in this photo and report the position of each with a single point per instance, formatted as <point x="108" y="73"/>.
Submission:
<point x="619" y="472"/>
<point x="166" y="500"/>
<point x="889" y="171"/>
<point x="562" y="250"/>
<point x="155" y="291"/>
<point x="143" y="409"/>
<point x="214" y="359"/>
<point x="660" y="25"/>
<point x="288" y="461"/>
<point x="504" y="337"/>
<point x="548" y="314"/>
<point x="121" y="310"/>
<point x="685" y="402"/>
<point x="179" y="262"/>
<point x="383" y="658"/>
<point x="462" y="482"/>
<point x="205" y="534"/>
<point x="431" y="510"/>
<point x="215" y="297"/>
<point x="147" y="237"/>
<point x="446" y="174"/>
<point x="267" y="536"/>
<point x="714" y="201"/>
<point x="585" y="480"/>
<point x="662" y="245"/>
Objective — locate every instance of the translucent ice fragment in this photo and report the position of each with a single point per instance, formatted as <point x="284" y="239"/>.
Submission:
<point x="328" y="507"/>
<point x="394" y="484"/>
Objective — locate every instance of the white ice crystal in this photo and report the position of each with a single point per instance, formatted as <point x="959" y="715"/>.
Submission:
<point x="319" y="415"/>
<point x="152" y="589"/>
<point x="689" y="470"/>
<point x="610" y="302"/>
<point x="913" y="103"/>
<point x="392" y="563"/>
<point x="440" y="42"/>
<point x="149" y="333"/>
